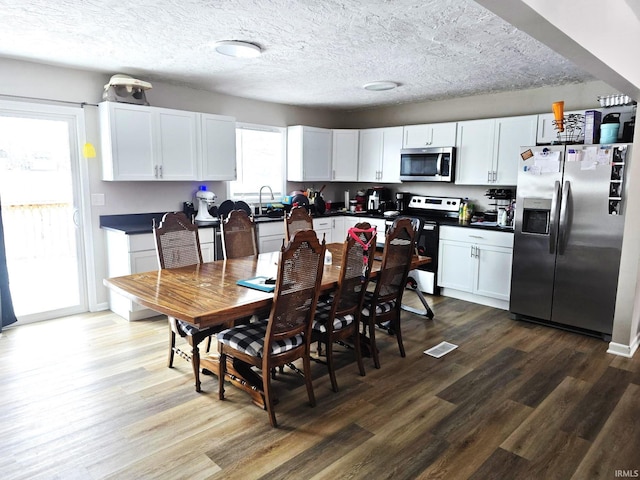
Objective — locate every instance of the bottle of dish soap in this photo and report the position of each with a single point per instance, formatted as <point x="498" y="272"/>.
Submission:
<point x="468" y="211"/>
<point x="461" y="210"/>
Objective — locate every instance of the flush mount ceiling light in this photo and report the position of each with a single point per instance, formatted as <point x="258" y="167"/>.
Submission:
<point x="380" y="86"/>
<point x="238" y="49"/>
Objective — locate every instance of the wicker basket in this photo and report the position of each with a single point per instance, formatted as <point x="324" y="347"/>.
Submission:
<point x="573" y="129"/>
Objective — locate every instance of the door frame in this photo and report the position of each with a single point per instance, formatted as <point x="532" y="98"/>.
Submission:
<point x="81" y="194"/>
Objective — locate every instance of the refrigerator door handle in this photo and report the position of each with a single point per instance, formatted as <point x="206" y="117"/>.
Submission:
<point x="564" y="211"/>
<point x="553" y="216"/>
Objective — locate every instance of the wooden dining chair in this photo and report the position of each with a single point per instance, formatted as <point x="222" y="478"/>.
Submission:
<point x="286" y="335"/>
<point x="178" y="245"/>
<point x="298" y="219"/>
<point x="239" y="237"/>
<point x="337" y="318"/>
<point x="382" y="306"/>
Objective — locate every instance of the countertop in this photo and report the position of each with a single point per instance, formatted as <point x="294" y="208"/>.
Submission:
<point x="139" y="223"/>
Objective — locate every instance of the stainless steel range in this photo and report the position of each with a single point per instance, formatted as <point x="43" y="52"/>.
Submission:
<point x="432" y="211"/>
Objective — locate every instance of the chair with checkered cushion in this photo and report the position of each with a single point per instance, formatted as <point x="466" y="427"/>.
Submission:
<point x="178" y="245"/>
<point x="298" y="219"/>
<point x="239" y="235"/>
<point x="382" y="306"/>
<point x="286" y="335"/>
<point x="337" y="318"/>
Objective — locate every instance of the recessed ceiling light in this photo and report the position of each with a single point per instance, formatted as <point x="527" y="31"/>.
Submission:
<point x="380" y="86"/>
<point x="235" y="48"/>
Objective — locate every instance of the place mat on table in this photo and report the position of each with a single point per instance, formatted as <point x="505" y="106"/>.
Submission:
<point x="258" y="283"/>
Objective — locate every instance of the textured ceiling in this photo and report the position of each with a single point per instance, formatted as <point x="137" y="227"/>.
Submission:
<point x="316" y="53"/>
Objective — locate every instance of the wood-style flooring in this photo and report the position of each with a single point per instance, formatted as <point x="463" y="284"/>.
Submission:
<point x="90" y="397"/>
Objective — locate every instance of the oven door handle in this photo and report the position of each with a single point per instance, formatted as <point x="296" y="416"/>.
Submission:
<point x="439" y="165"/>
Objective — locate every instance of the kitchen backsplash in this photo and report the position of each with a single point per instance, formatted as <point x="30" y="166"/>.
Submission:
<point x="335" y="191"/>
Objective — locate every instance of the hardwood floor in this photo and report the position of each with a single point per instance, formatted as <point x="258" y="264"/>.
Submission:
<point x="90" y="397"/>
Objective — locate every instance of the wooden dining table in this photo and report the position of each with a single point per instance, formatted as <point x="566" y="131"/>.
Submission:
<point x="207" y="294"/>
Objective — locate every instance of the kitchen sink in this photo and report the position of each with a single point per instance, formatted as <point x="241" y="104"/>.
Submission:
<point x="265" y="217"/>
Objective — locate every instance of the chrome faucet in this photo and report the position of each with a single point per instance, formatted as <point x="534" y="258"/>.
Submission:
<point x="260" y="197"/>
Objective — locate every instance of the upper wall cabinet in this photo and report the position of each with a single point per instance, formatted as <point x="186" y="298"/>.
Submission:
<point x="218" y="143"/>
<point x="379" y="156"/>
<point x="148" y="143"/>
<point x="345" y="155"/>
<point x="151" y="143"/>
<point x="487" y="151"/>
<point x="309" y="152"/>
<point x="431" y="135"/>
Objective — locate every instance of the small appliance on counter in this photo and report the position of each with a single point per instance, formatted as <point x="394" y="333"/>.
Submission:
<point x="377" y="199"/>
<point x="205" y="200"/>
<point x="402" y="201"/>
<point x="501" y="203"/>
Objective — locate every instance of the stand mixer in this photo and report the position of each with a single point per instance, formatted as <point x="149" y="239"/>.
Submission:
<point x="205" y="200"/>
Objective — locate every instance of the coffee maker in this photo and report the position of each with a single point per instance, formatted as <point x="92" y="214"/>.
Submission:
<point x="377" y="199"/>
<point x="402" y="201"/>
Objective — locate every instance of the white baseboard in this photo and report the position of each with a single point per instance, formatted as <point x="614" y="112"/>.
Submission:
<point x="624" y="350"/>
<point x="100" y="307"/>
<point x="470" y="297"/>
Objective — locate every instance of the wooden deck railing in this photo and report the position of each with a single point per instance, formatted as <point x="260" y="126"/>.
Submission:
<point x="39" y="230"/>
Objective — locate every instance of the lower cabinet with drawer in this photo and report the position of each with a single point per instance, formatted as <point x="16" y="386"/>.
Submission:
<point x="323" y="227"/>
<point x="475" y="265"/>
<point x="270" y="236"/>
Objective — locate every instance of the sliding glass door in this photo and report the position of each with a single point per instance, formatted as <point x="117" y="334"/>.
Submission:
<point x="39" y="190"/>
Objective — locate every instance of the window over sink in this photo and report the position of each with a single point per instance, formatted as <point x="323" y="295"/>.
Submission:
<point x="260" y="159"/>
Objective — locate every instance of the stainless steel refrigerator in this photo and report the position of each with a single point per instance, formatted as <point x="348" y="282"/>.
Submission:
<point x="569" y="221"/>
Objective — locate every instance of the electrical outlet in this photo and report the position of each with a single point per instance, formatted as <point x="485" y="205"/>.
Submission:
<point x="97" y="199"/>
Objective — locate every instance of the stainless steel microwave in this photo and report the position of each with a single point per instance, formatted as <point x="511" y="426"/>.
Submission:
<point x="427" y="164"/>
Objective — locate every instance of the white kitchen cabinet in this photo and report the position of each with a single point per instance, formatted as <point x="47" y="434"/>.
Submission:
<point x="126" y="255"/>
<point x="475" y="265"/>
<point x="345" y="155"/>
<point x="487" y="151"/>
<point x="309" y="151"/>
<point x="207" y="245"/>
<point x="323" y="227"/>
<point x="429" y="135"/>
<point x="148" y="143"/>
<point x="218" y="147"/>
<point x="379" y="156"/>
<point x="349" y="222"/>
<point x="370" y="154"/>
<point x="338" y="232"/>
<point x="270" y="236"/>
<point x="511" y="134"/>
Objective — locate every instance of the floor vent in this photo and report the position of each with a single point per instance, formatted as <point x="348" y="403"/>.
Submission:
<point x="441" y="349"/>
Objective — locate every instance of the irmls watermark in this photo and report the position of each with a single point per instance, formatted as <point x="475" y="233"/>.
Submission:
<point x="627" y="473"/>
